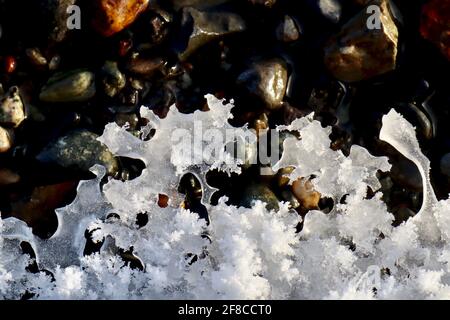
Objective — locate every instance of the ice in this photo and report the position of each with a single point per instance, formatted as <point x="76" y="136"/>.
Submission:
<point x="244" y="253"/>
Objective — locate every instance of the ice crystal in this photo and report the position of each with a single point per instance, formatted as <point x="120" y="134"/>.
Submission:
<point x="244" y="253"/>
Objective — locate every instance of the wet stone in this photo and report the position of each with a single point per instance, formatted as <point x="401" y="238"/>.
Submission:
<point x="445" y="165"/>
<point x="79" y="150"/>
<point x="11" y="108"/>
<point x="112" y="16"/>
<point x="260" y="192"/>
<point x="267" y="80"/>
<point x="329" y="9"/>
<point x="206" y="27"/>
<point x="8" y="177"/>
<point x="435" y="25"/>
<point x="112" y="79"/>
<point x="72" y="86"/>
<point x="288" y="30"/>
<point x="358" y="53"/>
<point x="144" y="66"/>
<point x="304" y="191"/>
<point x="6" y="140"/>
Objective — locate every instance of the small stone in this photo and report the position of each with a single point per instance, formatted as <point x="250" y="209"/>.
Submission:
<point x="58" y="17"/>
<point x="54" y="63"/>
<point x="11" y="108"/>
<point x="145" y="66"/>
<point x="112" y="79"/>
<point x="112" y="16"/>
<point x="329" y="9"/>
<point x="267" y="80"/>
<point x="36" y="57"/>
<point x="305" y="193"/>
<point x="8" y="177"/>
<point x="288" y="196"/>
<point x="128" y="120"/>
<point x="288" y="30"/>
<point x="6" y="140"/>
<point x="435" y="24"/>
<point x="260" y="192"/>
<point x="282" y="179"/>
<point x="405" y="173"/>
<point x="10" y="64"/>
<point x="358" y="53"/>
<point x="206" y="27"/>
<point x="79" y="150"/>
<point x="445" y="165"/>
<point x="266" y="3"/>
<point x="73" y="86"/>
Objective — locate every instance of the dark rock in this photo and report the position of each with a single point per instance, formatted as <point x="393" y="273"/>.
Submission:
<point x="435" y="25"/>
<point x="260" y="192"/>
<point x="145" y="66"/>
<point x="112" y="79"/>
<point x="206" y="27"/>
<point x="445" y="165"/>
<point x="8" y="177"/>
<point x="79" y="150"/>
<point x="72" y="86"/>
<point x="267" y="80"/>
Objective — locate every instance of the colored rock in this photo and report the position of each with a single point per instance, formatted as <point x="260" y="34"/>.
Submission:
<point x="359" y="53"/>
<point x="112" y="16"/>
<point x="435" y="24"/>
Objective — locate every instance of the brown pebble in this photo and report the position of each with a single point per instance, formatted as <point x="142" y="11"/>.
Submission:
<point x="305" y="193"/>
<point x="8" y="177"/>
<point x="112" y="16"/>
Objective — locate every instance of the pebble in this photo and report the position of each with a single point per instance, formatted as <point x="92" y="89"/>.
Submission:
<point x="267" y="80"/>
<point x="72" y="86"/>
<point x="358" y="53"/>
<point x="36" y="57"/>
<point x="288" y="30"/>
<point x="79" y="150"/>
<point x="207" y="26"/>
<point x="8" y="177"/>
<point x="58" y="16"/>
<point x="144" y="66"/>
<point x="10" y="64"/>
<point x="329" y="9"/>
<point x="435" y="25"/>
<point x="405" y="173"/>
<point x="445" y="165"/>
<point x="260" y="192"/>
<point x="6" y="139"/>
<point x="112" y="16"/>
<point x="11" y="108"/>
<point x="112" y="79"/>
<point x="305" y="193"/>
<point x="266" y="3"/>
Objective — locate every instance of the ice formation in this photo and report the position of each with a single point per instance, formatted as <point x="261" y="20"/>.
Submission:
<point x="351" y="252"/>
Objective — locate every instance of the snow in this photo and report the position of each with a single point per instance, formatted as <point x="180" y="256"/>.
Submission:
<point x="352" y="252"/>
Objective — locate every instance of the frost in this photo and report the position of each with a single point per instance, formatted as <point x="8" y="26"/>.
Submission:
<point x="352" y="252"/>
